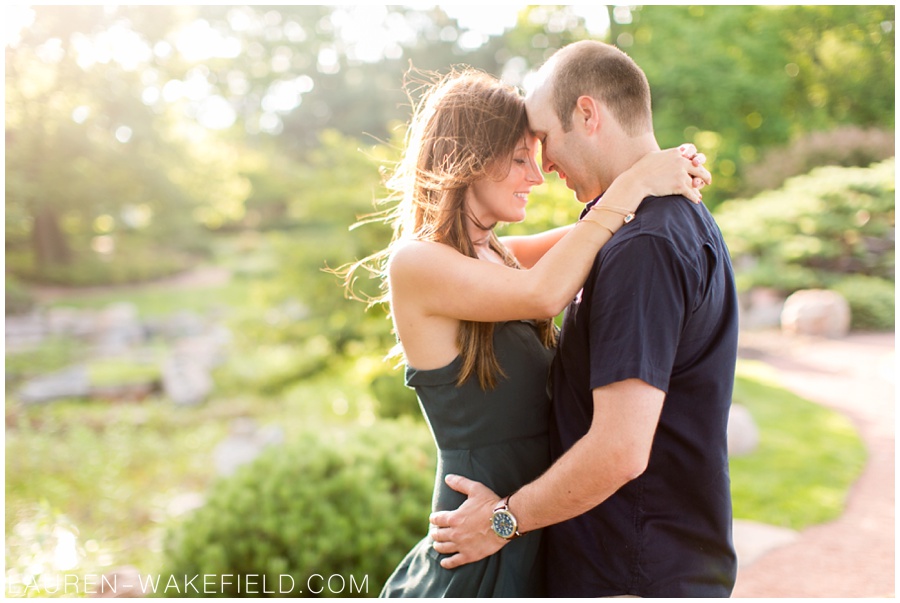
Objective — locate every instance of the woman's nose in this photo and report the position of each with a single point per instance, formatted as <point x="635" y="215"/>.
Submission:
<point x="534" y="174"/>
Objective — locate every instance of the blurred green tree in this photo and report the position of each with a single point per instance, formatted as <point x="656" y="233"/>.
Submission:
<point x="89" y="155"/>
<point x="737" y="80"/>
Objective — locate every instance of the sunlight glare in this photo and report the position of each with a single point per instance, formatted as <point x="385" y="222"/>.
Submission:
<point x="123" y="134"/>
<point x="216" y="113"/>
<point x="486" y="20"/>
<point x="596" y="18"/>
<point x="119" y="43"/>
<point x="286" y="95"/>
<point x="65" y="557"/>
<point x="125" y="46"/>
<point x="80" y="114"/>
<point x="17" y="19"/>
<point x="199" y="42"/>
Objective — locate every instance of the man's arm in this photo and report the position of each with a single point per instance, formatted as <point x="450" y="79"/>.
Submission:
<point x="615" y="450"/>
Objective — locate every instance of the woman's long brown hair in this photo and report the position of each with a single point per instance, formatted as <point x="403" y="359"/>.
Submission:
<point x="465" y="127"/>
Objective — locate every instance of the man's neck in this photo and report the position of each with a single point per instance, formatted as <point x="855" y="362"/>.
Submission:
<point x="629" y="151"/>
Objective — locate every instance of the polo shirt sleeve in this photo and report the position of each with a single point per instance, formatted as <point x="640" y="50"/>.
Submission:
<point x="637" y="312"/>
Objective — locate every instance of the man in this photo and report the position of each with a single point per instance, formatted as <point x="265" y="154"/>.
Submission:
<point x="638" y="498"/>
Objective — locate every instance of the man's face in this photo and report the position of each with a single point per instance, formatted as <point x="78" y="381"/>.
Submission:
<point x="565" y="153"/>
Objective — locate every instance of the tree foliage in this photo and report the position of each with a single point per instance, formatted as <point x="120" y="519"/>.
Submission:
<point x="737" y="80"/>
<point x="133" y="130"/>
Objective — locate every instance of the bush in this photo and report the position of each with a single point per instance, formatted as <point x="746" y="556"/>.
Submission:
<point x="871" y="301"/>
<point x="815" y="231"/>
<point x="18" y="299"/>
<point x="133" y="262"/>
<point x="347" y="502"/>
<point x="849" y="146"/>
<point x="269" y="369"/>
<point x="394" y="398"/>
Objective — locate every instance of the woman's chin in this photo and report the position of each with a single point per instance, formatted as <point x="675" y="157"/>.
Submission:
<point x="516" y="218"/>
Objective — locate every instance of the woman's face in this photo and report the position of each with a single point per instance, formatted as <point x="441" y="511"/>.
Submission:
<point x="491" y="201"/>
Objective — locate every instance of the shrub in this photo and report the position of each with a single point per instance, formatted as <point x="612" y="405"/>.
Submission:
<point x="815" y="231"/>
<point x="133" y="262"/>
<point x="269" y="369"/>
<point x="349" y="502"/>
<point x="871" y="301"/>
<point x="394" y="398"/>
<point x="849" y="146"/>
<point x="18" y="299"/>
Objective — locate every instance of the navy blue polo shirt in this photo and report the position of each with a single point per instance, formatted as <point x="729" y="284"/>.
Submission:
<point x="659" y="305"/>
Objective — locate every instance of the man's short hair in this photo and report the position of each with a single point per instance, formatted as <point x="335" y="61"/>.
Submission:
<point x="602" y="71"/>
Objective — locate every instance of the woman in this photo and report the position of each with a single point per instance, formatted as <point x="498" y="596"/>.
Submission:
<point x="474" y="313"/>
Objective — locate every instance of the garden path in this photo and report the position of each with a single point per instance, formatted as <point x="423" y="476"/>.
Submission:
<point x="852" y="556"/>
<point x="203" y="276"/>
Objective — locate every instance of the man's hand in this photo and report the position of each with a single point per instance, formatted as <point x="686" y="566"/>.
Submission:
<point x="467" y="530"/>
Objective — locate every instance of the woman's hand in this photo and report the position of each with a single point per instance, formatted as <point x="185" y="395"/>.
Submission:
<point x="677" y="171"/>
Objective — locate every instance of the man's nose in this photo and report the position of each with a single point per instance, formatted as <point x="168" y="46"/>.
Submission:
<point x="546" y="163"/>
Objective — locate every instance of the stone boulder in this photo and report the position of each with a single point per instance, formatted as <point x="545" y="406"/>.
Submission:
<point x="818" y="312"/>
<point x="743" y="435"/>
<point x="761" y="308"/>
<point x="245" y="441"/>
<point x="72" y="382"/>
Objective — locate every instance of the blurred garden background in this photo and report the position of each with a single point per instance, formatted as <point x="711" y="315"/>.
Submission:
<point x="189" y="390"/>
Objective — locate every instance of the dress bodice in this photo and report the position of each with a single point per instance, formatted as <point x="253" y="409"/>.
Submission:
<point x="468" y="417"/>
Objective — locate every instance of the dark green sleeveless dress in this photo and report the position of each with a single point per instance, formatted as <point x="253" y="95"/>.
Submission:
<point x="497" y="437"/>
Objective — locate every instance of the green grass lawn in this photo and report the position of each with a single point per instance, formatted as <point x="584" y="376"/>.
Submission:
<point x="808" y="456"/>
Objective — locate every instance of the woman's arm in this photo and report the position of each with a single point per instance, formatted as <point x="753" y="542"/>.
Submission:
<point x="528" y="249"/>
<point x="439" y="281"/>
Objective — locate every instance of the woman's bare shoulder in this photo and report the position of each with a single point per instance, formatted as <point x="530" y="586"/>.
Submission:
<point x="413" y="255"/>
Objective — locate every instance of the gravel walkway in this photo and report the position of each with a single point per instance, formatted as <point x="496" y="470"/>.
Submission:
<point x="204" y="276"/>
<point x="852" y="556"/>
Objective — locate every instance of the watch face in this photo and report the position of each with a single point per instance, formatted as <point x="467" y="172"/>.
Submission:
<point x="504" y="524"/>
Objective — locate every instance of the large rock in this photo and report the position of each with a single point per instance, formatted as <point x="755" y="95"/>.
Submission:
<point x="24" y="332"/>
<point x="244" y="443"/>
<point x="117" y="328"/>
<point x="72" y="382"/>
<point x="816" y="312"/>
<point x="65" y="321"/>
<point x="743" y="435"/>
<point x="761" y="308"/>
<point x="185" y="382"/>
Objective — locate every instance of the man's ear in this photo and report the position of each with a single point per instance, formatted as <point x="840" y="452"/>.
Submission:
<point x="587" y="113"/>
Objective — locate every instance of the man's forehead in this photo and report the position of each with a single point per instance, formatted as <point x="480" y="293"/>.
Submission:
<point x="537" y="105"/>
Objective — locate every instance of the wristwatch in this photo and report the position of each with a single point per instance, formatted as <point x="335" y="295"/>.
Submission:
<point x="503" y="522"/>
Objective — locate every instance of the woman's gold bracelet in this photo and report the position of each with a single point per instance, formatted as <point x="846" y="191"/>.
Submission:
<point x="608" y="217"/>
<point x="627" y="215"/>
<point x="587" y="220"/>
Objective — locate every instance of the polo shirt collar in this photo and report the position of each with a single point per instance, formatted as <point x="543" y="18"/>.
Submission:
<point x="588" y="207"/>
